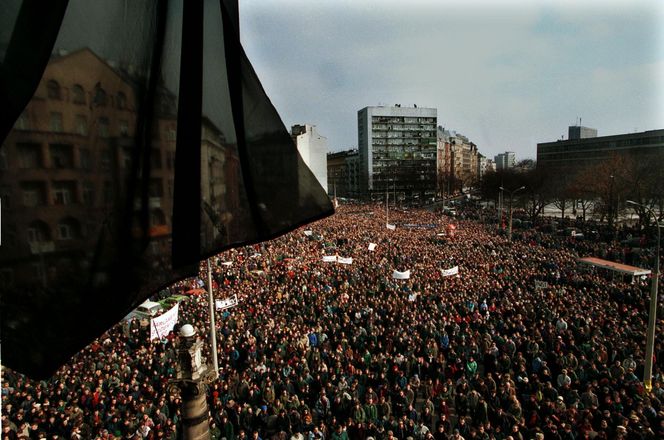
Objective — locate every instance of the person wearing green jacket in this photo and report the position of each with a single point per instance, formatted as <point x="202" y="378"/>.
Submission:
<point x="371" y="411"/>
<point x="339" y="433"/>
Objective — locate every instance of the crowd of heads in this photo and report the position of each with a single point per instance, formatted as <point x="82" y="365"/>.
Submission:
<point x="521" y="344"/>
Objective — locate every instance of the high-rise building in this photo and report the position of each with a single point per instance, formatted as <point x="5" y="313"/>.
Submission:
<point x="397" y="147"/>
<point x="505" y="160"/>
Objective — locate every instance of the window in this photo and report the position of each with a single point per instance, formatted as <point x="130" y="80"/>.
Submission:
<point x="3" y="159"/>
<point x="22" y="123"/>
<point x="29" y="156"/>
<point x="103" y="127"/>
<point x="88" y="193"/>
<point x="69" y="229"/>
<point x="105" y="163"/>
<point x="85" y="158"/>
<point x="170" y="159"/>
<point x="33" y="193"/>
<point x="81" y="125"/>
<point x="121" y="101"/>
<point x="38" y="231"/>
<point x="124" y="128"/>
<point x="78" y="94"/>
<point x="5" y="200"/>
<point x="156" y="188"/>
<point x="157" y="217"/>
<point x="53" y="89"/>
<point x="56" y="122"/>
<point x="155" y="158"/>
<point x="100" y="99"/>
<point x="62" y="156"/>
<point x="64" y="192"/>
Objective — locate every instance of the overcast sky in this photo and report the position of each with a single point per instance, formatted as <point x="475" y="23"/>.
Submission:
<point x="506" y="76"/>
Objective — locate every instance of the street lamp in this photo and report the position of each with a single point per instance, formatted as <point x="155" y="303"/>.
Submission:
<point x="509" y="227"/>
<point x="652" y="313"/>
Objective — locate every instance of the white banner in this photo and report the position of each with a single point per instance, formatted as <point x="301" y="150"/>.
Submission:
<point x="450" y="272"/>
<point x="401" y="275"/>
<point x="329" y="258"/>
<point x="308" y="233"/>
<point x="412" y="297"/>
<point x="227" y="263"/>
<point x="372" y="246"/>
<point x="390" y="226"/>
<point x="344" y="260"/>
<point x="223" y="304"/>
<point x="163" y="325"/>
<point x="541" y="285"/>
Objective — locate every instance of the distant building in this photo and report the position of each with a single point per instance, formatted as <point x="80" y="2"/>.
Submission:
<point x="343" y="174"/>
<point x="575" y="154"/>
<point x="397" y="151"/>
<point x="505" y="160"/>
<point x="313" y="150"/>
<point x="577" y="132"/>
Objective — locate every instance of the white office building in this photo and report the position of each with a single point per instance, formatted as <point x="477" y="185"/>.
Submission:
<point x="313" y="150"/>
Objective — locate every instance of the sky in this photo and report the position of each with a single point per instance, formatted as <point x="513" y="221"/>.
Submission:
<point x="506" y="74"/>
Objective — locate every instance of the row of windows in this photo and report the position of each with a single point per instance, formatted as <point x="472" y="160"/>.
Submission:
<point x="80" y="127"/>
<point x="66" y="192"/>
<point x="402" y="119"/>
<point x="99" y="97"/>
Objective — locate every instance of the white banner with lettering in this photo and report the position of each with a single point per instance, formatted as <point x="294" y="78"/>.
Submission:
<point x="308" y="233"/>
<point x="390" y="226"/>
<point x="401" y="275"/>
<point x="344" y="260"/>
<point x="223" y="304"/>
<point x="163" y="325"/>
<point x="329" y="258"/>
<point x="372" y="246"/>
<point x="450" y="272"/>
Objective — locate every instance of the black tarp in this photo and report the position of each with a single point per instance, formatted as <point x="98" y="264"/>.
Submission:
<point x="137" y="141"/>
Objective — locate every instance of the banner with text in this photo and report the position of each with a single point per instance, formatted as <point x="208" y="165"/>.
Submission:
<point x="372" y="246"/>
<point x="450" y="272"/>
<point x="162" y="325"/>
<point x="223" y="304"/>
<point x="391" y="227"/>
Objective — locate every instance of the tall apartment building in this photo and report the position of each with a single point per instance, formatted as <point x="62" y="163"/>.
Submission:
<point x="397" y="151"/>
<point x="313" y="150"/>
<point x="505" y="160"/>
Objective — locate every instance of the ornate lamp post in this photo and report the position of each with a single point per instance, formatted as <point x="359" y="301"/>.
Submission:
<point x="509" y="227"/>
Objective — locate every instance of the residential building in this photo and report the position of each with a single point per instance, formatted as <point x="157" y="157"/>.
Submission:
<point x="397" y="151"/>
<point x="343" y="174"/>
<point x="313" y="150"/>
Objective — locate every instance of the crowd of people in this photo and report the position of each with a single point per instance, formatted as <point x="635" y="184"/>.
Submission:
<point x="519" y="344"/>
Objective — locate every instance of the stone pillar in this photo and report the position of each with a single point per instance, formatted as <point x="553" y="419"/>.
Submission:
<point x="191" y="369"/>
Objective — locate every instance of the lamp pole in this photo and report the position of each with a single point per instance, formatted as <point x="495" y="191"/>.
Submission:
<point x="509" y="227"/>
<point x="652" y="313"/>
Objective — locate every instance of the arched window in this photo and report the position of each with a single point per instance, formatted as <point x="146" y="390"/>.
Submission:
<point x="100" y="98"/>
<point x="121" y="101"/>
<point x="53" y="89"/>
<point x="69" y="229"/>
<point x="38" y="231"/>
<point x="78" y="94"/>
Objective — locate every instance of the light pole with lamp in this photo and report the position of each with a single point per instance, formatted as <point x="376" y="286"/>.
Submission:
<point x="652" y="313"/>
<point x="509" y="227"/>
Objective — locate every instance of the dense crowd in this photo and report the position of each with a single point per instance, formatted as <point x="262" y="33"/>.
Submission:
<point x="521" y="344"/>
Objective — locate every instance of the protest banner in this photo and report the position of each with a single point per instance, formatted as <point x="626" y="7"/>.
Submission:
<point x="308" y="233"/>
<point x="391" y="227"/>
<point x="449" y="272"/>
<point x="344" y="260"/>
<point x="227" y="263"/>
<point x="329" y="258"/>
<point x="223" y="304"/>
<point x="541" y="285"/>
<point x="163" y="325"/>
<point x="372" y="246"/>
<point x="401" y="275"/>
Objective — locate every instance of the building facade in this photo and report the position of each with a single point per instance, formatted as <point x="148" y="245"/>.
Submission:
<point x="577" y="132"/>
<point x="343" y="174"/>
<point x="313" y="150"/>
<point x="397" y="151"/>
<point x="575" y="154"/>
<point x="505" y="160"/>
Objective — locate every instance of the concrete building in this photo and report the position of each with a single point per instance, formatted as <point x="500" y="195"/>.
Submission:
<point x="578" y="132"/>
<point x="397" y="151"/>
<point x="505" y="160"/>
<point x="313" y="150"/>
<point x="343" y="174"/>
<point x="575" y="154"/>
